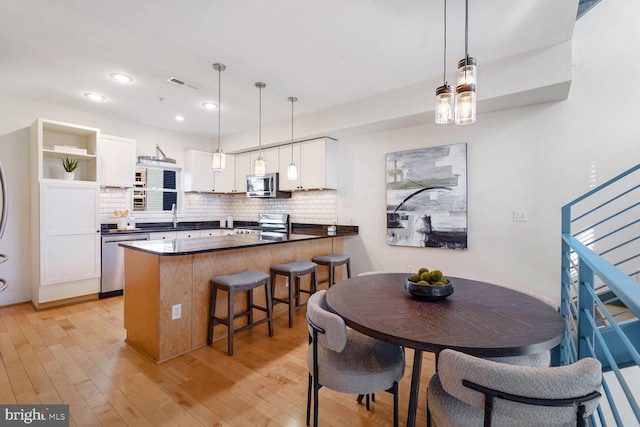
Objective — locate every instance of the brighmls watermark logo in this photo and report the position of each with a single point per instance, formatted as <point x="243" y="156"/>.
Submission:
<point x="34" y="415"/>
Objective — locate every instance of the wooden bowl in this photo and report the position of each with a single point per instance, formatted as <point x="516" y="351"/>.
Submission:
<point x="429" y="292"/>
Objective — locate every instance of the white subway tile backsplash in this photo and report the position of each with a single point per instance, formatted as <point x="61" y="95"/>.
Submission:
<point x="316" y="207"/>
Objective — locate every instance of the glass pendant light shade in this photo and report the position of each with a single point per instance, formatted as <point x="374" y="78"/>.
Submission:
<point x="465" y="104"/>
<point x="467" y="71"/>
<point x="219" y="161"/>
<point x="292" y="172"/>
<point x="444" y="104"/>
<point x="259" y="166"/>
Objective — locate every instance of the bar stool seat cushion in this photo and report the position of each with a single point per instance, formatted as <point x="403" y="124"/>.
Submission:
<point x="246" y="278"/>
<point x="332" y="258"/>
<point x="295" y="267"/>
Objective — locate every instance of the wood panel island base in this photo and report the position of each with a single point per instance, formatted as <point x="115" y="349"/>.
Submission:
<point x="167" y="285"/>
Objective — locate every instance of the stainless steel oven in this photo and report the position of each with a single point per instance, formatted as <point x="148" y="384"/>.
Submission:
<point x="112" y="279"/>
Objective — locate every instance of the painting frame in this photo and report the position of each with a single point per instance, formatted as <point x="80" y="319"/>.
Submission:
<point x="427" y="200"/>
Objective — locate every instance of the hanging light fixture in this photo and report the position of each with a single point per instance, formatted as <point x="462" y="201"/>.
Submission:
<point x="292" y="169"/>
<point x="444" y="94"/>
<point x="466" y="89"/>
<point x="259" y="165"/>
<point x="219" y="157"/>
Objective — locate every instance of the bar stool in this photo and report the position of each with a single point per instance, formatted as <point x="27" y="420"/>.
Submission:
<point x="332" y="261"/>
<point x="293" y="271"/>
<point x="245" y="281"/>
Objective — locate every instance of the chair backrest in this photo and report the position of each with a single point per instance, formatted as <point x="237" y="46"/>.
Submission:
<point x="335" y="331"/>
<point x="570" y="381"/>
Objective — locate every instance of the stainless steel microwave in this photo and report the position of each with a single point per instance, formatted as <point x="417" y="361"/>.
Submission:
<point x="265" y="186"/>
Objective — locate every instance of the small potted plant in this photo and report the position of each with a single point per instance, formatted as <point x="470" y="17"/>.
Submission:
<point x="69" y="165"/>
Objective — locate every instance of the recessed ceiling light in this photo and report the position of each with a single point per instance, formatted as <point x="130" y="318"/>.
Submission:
<point x="121" y="77"/>
<point x="180" y="118"/>
<point x="95" y="96"/>
<point x="209" y="106"/>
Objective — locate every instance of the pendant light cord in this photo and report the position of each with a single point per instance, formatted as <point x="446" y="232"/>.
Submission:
<point x="444" y="60"/>
<point x="260" y="123"/>
<point x="219" y="107"/>
<point x="466" y="33"/>
<point x="292" y="101"/>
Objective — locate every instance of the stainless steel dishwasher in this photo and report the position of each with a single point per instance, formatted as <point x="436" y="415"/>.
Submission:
<point x="112" y="279"/>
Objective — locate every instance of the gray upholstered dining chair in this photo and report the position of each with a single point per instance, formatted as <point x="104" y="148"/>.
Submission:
<point x="470" y="391"/>
<point x="347" y="361"/>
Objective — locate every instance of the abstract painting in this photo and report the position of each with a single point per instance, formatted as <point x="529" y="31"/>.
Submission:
<point x="427" y="197"/>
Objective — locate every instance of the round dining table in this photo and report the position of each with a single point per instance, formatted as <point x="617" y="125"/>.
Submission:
<point x="479" y="318"/>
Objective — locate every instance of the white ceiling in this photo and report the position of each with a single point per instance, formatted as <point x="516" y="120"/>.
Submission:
<point x="325" y="52"/>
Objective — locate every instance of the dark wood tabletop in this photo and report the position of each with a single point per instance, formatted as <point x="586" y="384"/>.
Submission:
<point x="479" y="318"/>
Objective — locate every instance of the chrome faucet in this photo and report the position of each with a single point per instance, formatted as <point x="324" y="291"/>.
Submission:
<point x="175" y="215"/>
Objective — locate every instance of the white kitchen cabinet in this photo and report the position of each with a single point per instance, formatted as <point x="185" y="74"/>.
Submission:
<point x="188" y="234"/>
<point x="116" y="161"/>
<point x="243" y="168"/>
<point x="317" y="162"/>
<point x="284" y="161"/>
<point x="224" y="182"/>
<point x="198" y="173"/>
<point x="163" y="235"/>
<point x="52" y="140"/>
<point x="270" y="156"/>
<point x="211" y="233"/>
<point x="66" y="251"/>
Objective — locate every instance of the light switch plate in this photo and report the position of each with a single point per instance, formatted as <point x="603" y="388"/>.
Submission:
<point x="176" y="311"/>
<point x="519" y="216"/>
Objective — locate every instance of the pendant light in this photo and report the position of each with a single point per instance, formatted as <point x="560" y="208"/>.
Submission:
<point x="444" y="94"/>
<point x="259" y="165"/>
<point x="218" y="156"/>
<point x="292" y="169"/>
<point x="466" y="89"/>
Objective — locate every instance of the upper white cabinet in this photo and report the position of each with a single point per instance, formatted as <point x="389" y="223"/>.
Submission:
<point x="270" y="156"/>
<point x="224" y="182"/>
<point x="52" y="140"/>
<point x="244" y="167"/>
<point x="286" y="153"/>
<point x="317" y="162"/>
<point x="116" y="161"/>
<point x="198" y="173"/>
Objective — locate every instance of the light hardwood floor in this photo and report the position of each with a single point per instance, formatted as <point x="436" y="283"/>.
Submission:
<point x="77" y="355"/>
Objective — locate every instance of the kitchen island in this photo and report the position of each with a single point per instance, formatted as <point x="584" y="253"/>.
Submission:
<point x="167" y="289"/>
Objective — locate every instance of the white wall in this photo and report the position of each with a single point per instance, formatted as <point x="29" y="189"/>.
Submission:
<point x="534" y="158"/>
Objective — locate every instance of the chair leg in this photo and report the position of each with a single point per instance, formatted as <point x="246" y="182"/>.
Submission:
<point x="314" y="281"/>
<point x="269" y="306"/>
<point x="367" y="402"/>
<point x="291" y="285"/>
<point x="395" y="404"/>
<point x="309" y="401"/>
<point x="250" y="305"/>
<point x="316" y="388"/>
<point x="331" y="272"/>
<point x="212" y="314"/>
<point x="348" y="269"/>
<point x="230" y="323"/>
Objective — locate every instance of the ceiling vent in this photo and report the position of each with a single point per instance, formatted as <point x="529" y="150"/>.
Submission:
<point x="182" y="82"/>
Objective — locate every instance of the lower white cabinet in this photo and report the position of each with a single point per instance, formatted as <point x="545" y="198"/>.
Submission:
<point x="165" y="235"/>
<point x="66" y="251"/>
<point x="188" y="234"/>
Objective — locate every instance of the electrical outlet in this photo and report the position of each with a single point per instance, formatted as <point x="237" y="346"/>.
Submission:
<point x="519" y="216"/>
<point x="176" y="311"/>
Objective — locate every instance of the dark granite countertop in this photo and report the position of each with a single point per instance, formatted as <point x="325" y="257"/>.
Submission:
<point x="172" y="247"/>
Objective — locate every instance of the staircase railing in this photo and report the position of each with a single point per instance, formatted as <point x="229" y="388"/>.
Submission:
<point x="600" y="299"/>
